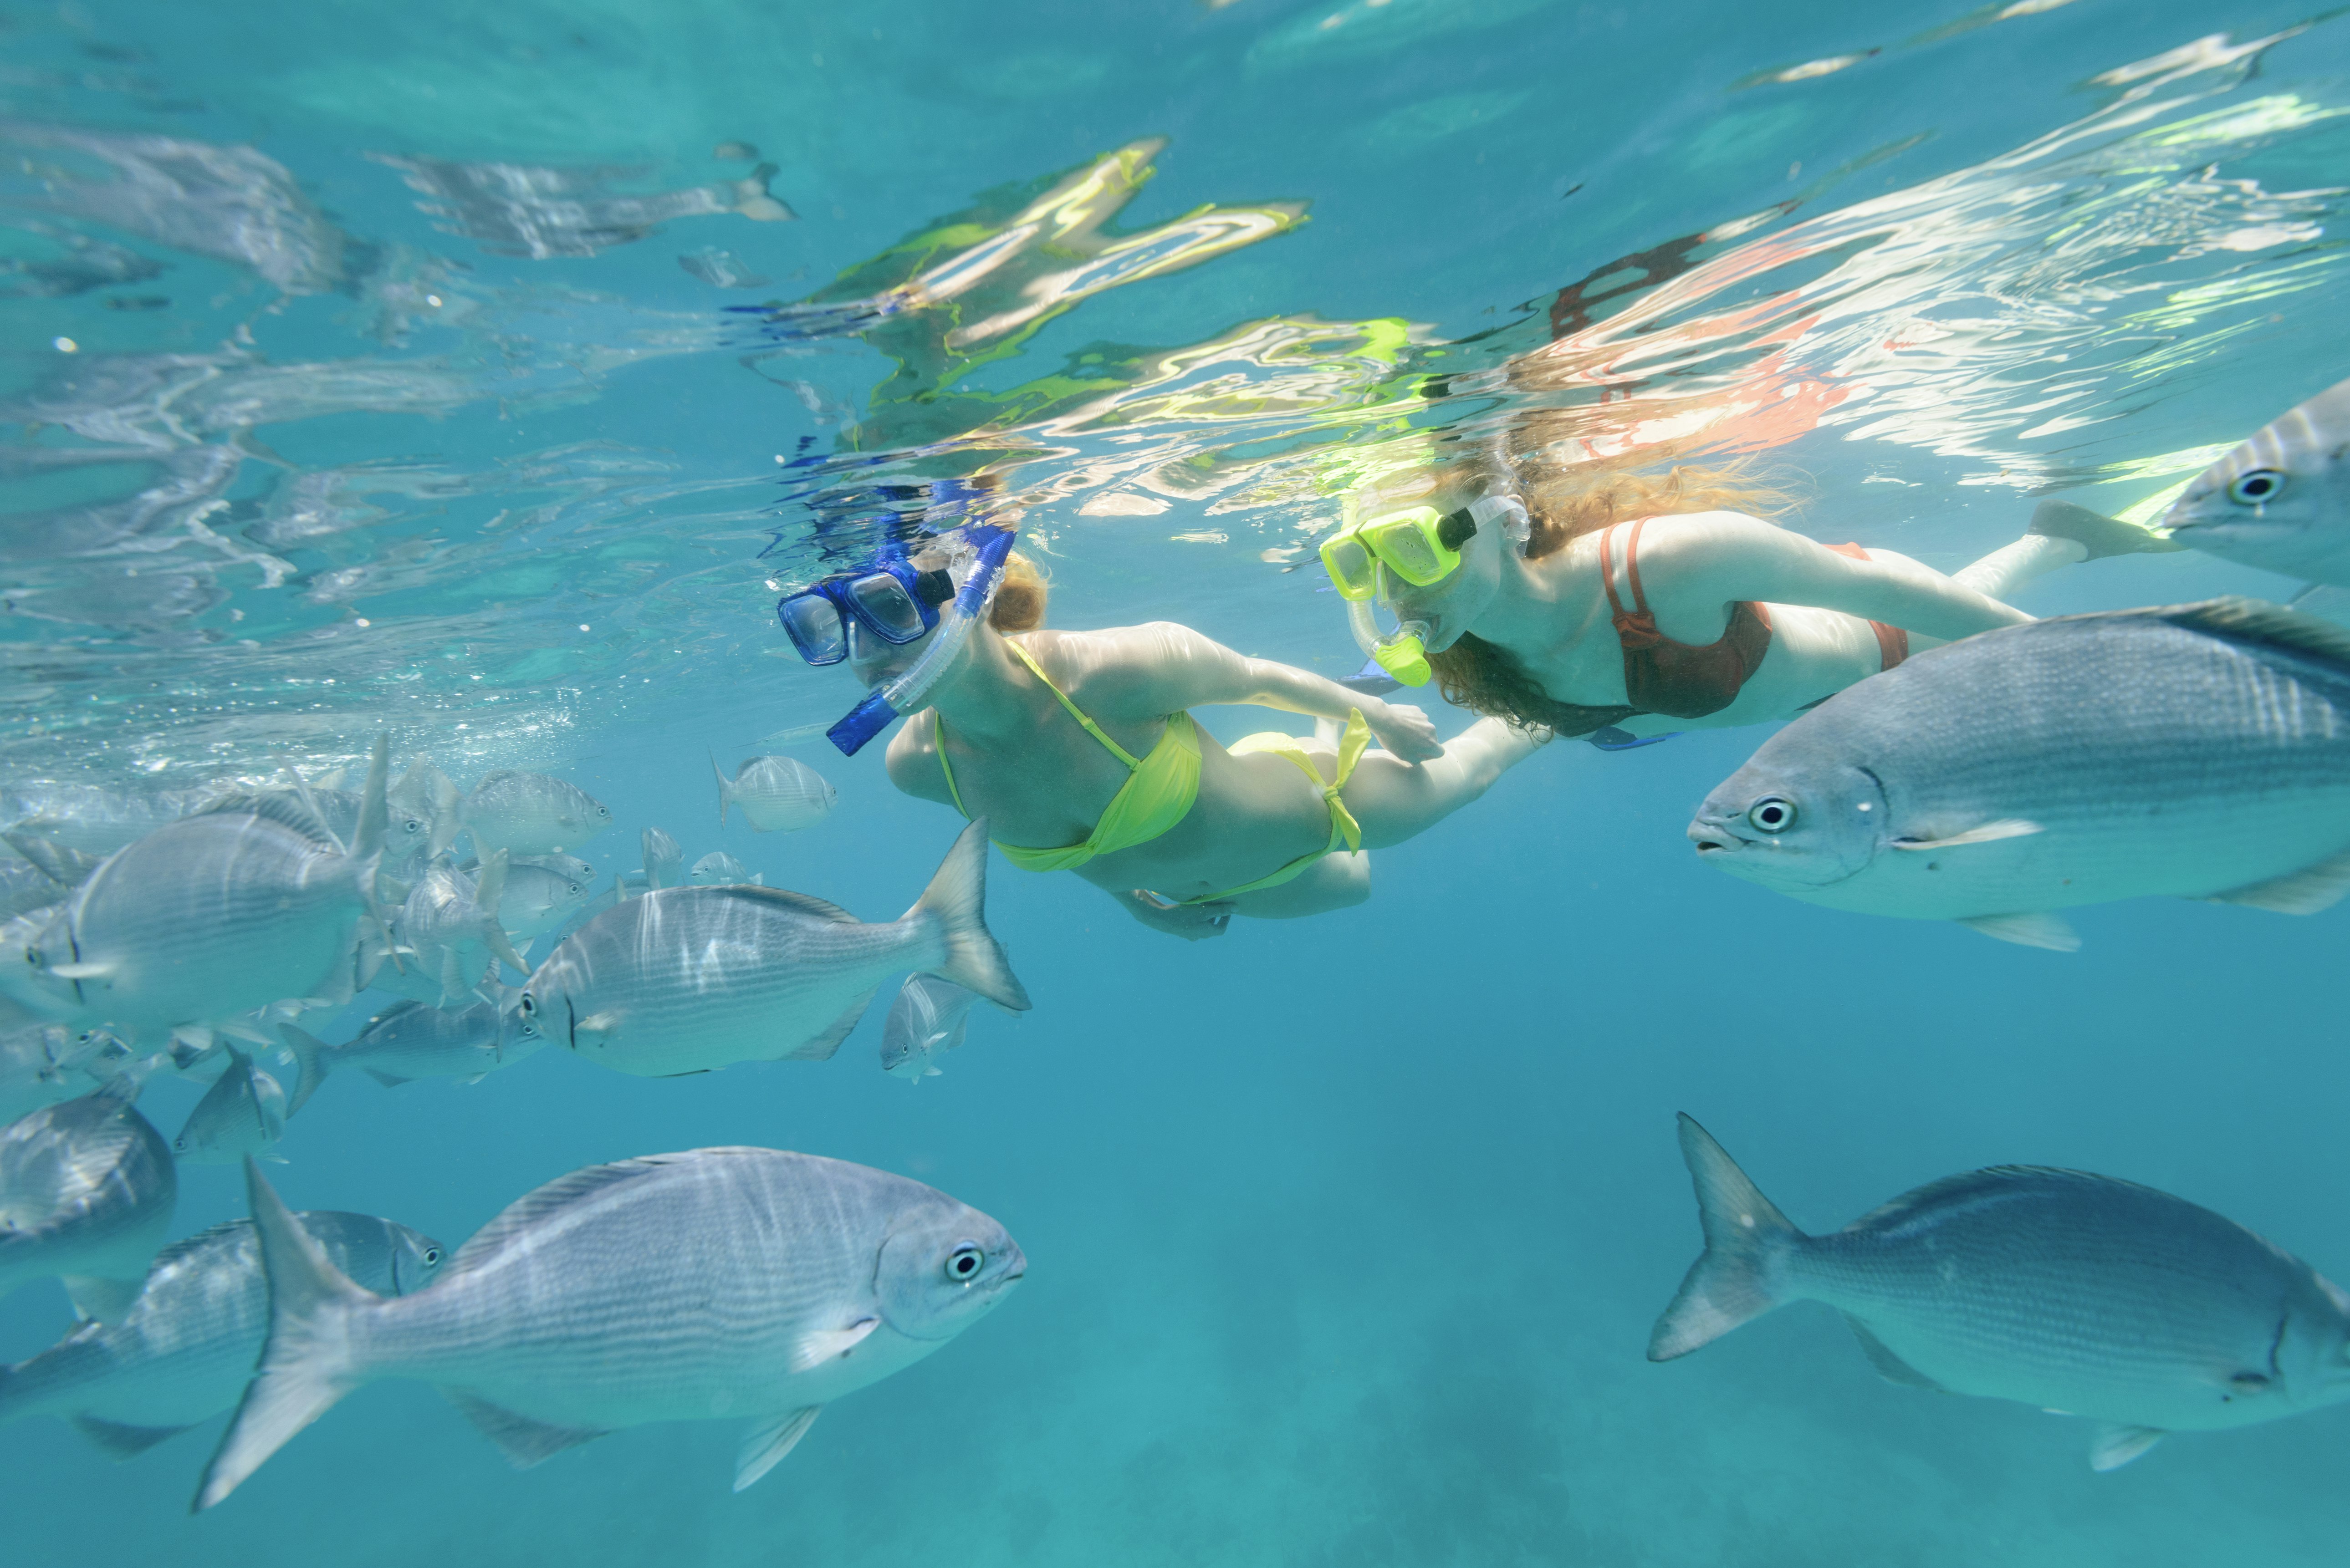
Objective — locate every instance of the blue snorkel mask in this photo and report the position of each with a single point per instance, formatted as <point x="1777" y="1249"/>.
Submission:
<point x="890" y="599"/>
<point x="873" y="606"/>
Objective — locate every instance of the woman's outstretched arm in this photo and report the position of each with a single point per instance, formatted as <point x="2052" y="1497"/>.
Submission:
<point x="1697" y="563"/>
<point x="1162" y="667"/>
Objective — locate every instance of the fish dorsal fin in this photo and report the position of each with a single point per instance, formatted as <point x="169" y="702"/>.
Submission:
<point x="1890" y="1366"/>
<point x="67" y="867"/>
<point x="2115" y="1446"/>
<point x="766" y="1442"/>
<point x="803" y="902"/>
<point x="2036" y="929"/>
<point x="1977" y="1186"/>
<point x="533" y="1208"/>
<point x="201" y="1240"/>
<point x="285" y="809"/>
<point x="2307" y="891"/>
<point x="2258" y="623"/>
<point x="524" y="1441"/>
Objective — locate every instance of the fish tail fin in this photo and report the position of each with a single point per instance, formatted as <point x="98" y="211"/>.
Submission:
<point x="725" y="788"/>
<point x="309" y="1064"/>
<point x="487" y="890"/>
<point x="750" y="197"/>
<point x="375" y="816"/>
<point x="1745" y="1239"/>
<point x="308" y="1363"/>
<point x="957" y="899"/>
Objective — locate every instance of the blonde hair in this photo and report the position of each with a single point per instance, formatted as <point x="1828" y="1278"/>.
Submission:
<point x="1021" y="589"/>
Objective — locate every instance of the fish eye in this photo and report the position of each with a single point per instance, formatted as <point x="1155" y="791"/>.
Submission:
<point x="529" y="1008"/>
<point x="180" y="1143"/>
<point x="431" y="1256"/>
<point x="413" y="826"/>
<point x="2260" y="486"/>
<point x="1772" y="814"/>
<point x="965" y="1262"/>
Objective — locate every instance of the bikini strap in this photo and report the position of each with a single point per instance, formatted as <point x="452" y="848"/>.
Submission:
<point x="1133" y="764"/>
<point x="1631" y="570"/>
<point x="939" y="744"/>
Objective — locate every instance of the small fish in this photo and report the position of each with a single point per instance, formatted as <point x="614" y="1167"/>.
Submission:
<point x="243" y="1113"/>
<point x="926" y="1021"/>
<point x="1996" y="779"/>
<point x="570" y="868"/>
<point x="185" y="1349"/>
<point x="744" y="1282"/>
<point x="246" y="903"/>
<point x="720" y="870"/>
<point x="2281" y="500"/>
<point x="2068" y="1292"/>
<point x="87" y="1190"/>
<point x="690" y="978"/>
<point x="450" y="923"/>
<point x="531" y="814"/>
<point x="777" y="795"/>
<point x="536" y="900"/>
<point x="409" y="1040"/>
<point x="663" y="859"/>
<point x="426" y="812"/>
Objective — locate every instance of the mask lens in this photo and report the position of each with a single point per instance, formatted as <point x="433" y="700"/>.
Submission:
<point x="1351" y="567"/>
<point x="1407" y="544"/>
<point x="888" y="608"/>
<point x="814" y="628"/>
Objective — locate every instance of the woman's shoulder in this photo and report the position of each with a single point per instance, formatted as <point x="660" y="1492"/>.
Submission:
<point x="912" y="757"/>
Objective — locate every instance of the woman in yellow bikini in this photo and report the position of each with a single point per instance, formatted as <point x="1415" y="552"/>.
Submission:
<point x="1079" y="750"/>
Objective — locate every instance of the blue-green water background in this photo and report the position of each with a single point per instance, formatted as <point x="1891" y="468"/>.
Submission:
<point x="1345" y="1234"/>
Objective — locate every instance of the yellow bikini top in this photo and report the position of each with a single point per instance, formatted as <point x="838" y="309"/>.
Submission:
<point x="1157" y="792"/>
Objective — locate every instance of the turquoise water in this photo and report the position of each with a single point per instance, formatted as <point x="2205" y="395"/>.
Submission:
<point x="1345" y="1234"/>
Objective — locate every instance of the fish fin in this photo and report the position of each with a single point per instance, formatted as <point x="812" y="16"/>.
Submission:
<point x="957" y="899"/>
<point x="1988" y="832"/>
<point x="821" y="1048"/>
<point x="2317" y="598"/>
<point x="533" y="1207"/>
<point x="2303" y="892"/>
<point x="725" y="790"/>
<point x="105" y="1300"/>
<point x="759" y="879"/>
<point x="525" y="1442"/>
<point x="2037" y="928"/>
<point x="750" y="197"/>
<point x="1745" y="1235"/>
<point x="474" y="1079"/>
<point x="237" y="1029"/>
<point x="310" y="1064"/>
<point x="490" y="885"/>
<point x="822" y="1344"/>
<point x="806" y="903"/>
<point x="598" y="1025"/>
<point x="387" y="1080"/>
<point x="375" y="816"/>
<point x="765" y="1443"/>
<point x="2259" y="624"/>
<point x="2101" y="536"/>
<point x="82" y="971"/>
<point x="1890" y="1366"/>
<point x="67" y="867"/>
<point x="503" y="947"/>
<point x="305" y="1364"/>
<point x="119" y="1439"/>
<point x="2115" y="1446"/>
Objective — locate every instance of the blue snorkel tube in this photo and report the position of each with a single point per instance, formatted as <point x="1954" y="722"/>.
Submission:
<point x="898" y="697"/>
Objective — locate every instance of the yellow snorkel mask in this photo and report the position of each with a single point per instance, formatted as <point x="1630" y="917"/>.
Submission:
<point x="1420" y="546"/>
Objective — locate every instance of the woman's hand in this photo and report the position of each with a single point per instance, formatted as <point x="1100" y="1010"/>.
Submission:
<point x="1405" y="730"/>
<point x="1192" y="923"/>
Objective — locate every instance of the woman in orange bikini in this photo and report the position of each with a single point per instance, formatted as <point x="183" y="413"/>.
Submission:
<point x="1657" y="604"/>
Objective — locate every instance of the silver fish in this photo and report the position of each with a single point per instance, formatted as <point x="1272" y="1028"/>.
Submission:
<point x="409" y="1040"/>
<point x="531" y="814"/>
<point x="663" y="859"/>
<point x="245" y="904"/>
<point x="427" y="812"/>
<point x="2058" y="1289"/>
<point x="42" y="1064"/>
<point x="570" y="868"/>
<point x="536" y="900"/>
<point x="689" y="978"/>
<point x="2201" y="750"/>
<point x="2279" y="501"/>
<point x="243" y="1113"/>
<point x="531" y="210"/>
<point x="450" y="924"/>
<point x="718" y="1283"/>
<point x="777" y="795"/>
<point x="186" y="1349"/>
<point x="46" y="874"/>
<point x="720" y="870"/>
<point x="926" y="1021"/>
<point x="87" y="1190"/>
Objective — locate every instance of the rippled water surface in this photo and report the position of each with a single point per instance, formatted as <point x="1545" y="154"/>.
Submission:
<point x="482" y="374"/>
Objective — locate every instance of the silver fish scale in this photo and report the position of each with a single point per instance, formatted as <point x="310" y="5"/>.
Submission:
<point x="673" y="1288"/>
<point x="87" y="1180"/>
<point x="2061" y="1288"/>
<point x="186" y="1349"/>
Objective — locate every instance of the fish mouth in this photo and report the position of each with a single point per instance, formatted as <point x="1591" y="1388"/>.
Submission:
<point x="1714" y="839"/>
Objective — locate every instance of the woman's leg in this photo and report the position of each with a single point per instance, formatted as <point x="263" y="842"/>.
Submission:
<point x="1336" y="881"/>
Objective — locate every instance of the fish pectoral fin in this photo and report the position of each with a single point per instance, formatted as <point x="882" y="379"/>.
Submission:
<point x="1890" y="1366"/>
<point x="82" y="971"/>
<point x="119" y="1439"/>
<point x="525" y="1442"/>
<point x="2115" y="1446"/>
<point x="822" y="1344"/>
<point x="766" y="1442"/>
<point x="388" y="1080"/>
<point x="2307" y="891"/>
<point x="108" y="1300"/>
<point x="1988" y="832"/>
<point x="821" y="1048"/>
<point x="597" y="1027"/>
<point x="2036" y="930"/>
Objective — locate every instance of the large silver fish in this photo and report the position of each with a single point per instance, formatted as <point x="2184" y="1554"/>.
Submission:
<point x="409" y="1040"/>
<point x="742" y="1282"/>
<point x="2061" y="1289"/>
<point x="243" y="1113"/>
<point x="187" y="1346"/>
<point x="2279" y="501"/>
<point x="688" y="979"/>
<point x="927" y="1021"/>
<point x="250" y="902"/>
<point x="87" y="1190"/>
<point x="777" y="795"/>
<point x="531" y="814"/>
<point x="2201" y="750"/>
